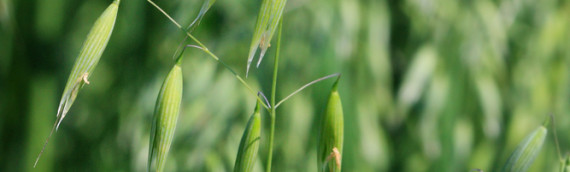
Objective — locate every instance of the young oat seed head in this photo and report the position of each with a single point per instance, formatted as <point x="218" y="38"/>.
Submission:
<point x="265" y="27"/>
<point x="331" y="134"/>
<point x="249" y="144"/>
<point x="165" y="117"/>
<point x="527" y="150"/>
<point x="88" y="58"/>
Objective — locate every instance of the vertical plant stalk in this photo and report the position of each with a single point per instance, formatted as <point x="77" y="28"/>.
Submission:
<point x="89" y="56"/>
<point x="207" y="51"/>
<point x="249" y="144"/>
<point x="273" y="90"/>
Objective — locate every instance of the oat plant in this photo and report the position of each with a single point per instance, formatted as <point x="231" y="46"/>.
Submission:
<point x="269" y="19"/>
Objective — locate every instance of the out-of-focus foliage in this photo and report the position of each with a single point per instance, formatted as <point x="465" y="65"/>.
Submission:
<point x="428" y="85"/>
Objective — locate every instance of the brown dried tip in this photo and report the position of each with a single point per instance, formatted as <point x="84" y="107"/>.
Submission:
<point x="336" y="155"/>
<point x="85" y="76"/>
<point x="262" y="41"/>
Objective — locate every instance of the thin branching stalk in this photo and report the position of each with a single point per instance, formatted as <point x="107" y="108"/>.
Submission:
<point x="264" y="98"/>
<point x="307" y="85"/>
<point x="205" y="7"/>
<point x="207" y="51"/>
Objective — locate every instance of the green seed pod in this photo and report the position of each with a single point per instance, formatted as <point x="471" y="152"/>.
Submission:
<point x="566" y="164"/>
<point x="331" y="134"/>
<point x="265" y="27"/>
<point x="527" y="150"/>
<point x="165" y="117"/>
<point x="249" y="144"/>
<point x="276" y="13"/>
<point x="89" y="56"/>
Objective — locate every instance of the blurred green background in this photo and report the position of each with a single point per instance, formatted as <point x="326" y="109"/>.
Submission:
<point x="427" y="85"/>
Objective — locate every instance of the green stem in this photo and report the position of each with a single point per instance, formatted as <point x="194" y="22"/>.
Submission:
<point x="307" y="85"/>
<point x="179" y="59"/>
<point x="273" y="90"/>
<point x="270" y="155"/>
<point x="207" y="51"/>
<point x="555" y="136"/>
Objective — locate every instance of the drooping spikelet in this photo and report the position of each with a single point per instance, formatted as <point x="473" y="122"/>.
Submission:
<point x="265" y="27"/>
<point x="88" y="58"/>
<point x="331" y="134"/>
<point x="249" y="144"/>
<point x="527" y="150"/>
<point x="165" y="117"/>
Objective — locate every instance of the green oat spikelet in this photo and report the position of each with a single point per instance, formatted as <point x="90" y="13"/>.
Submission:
<point x="88" y="58"/>
<point x="165" y="117"/>
<point x="527" y="150"/>
<point x="249" y="144"/>
<point x="566" y="164"/>
<point x="265" y="27"/>
<point x="331" y="134"/>
<point x="276" y="13"/>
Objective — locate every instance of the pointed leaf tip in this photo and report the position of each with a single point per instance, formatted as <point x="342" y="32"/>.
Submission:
<point x="335" y="85"/>
<point x="260" y="57"/>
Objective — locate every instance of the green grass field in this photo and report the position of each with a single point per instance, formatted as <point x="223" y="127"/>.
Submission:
<point x="427" y="85"/>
